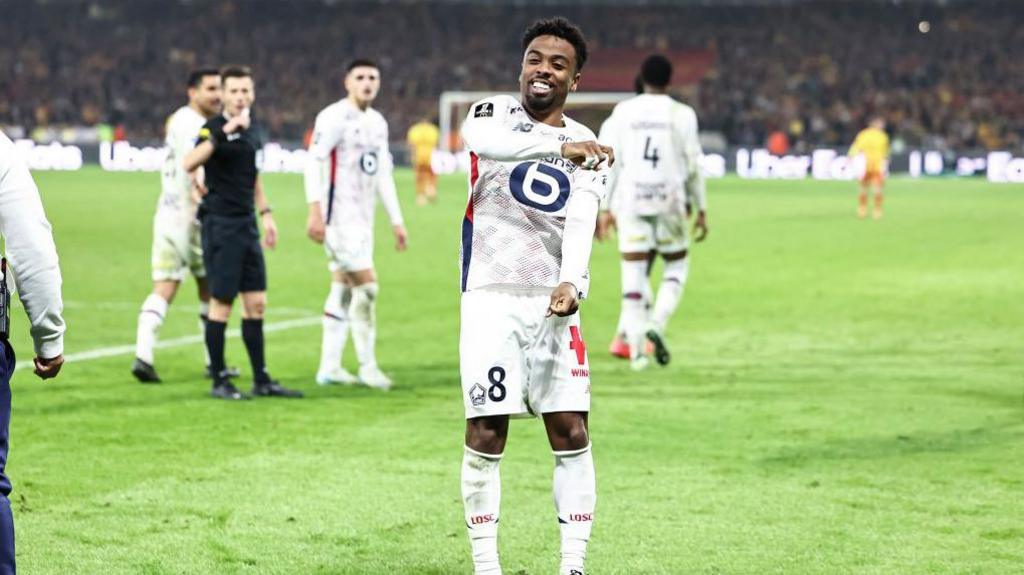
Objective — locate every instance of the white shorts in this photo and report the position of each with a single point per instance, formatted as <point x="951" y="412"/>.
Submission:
<point x="665" y="233"/>
<point x="177" y="250"/>
<point x="514" y="361"/>
<point x="349" y="248"/>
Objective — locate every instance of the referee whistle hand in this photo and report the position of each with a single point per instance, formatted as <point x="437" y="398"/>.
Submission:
<point x="401" y="238"/>
<point x="564" y="300"/>
<point x="48" y="368"/>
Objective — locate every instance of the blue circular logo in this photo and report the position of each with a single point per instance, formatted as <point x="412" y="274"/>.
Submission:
<point x="539" y="186"/>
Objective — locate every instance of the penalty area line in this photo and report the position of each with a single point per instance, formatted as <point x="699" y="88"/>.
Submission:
<point x="103" y="352"/>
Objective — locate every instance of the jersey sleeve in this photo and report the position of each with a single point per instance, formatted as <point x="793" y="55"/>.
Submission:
<point x="32" y="253"/>
<point x="578" y="233"/>
<point x="608" y="135"/>
<point x="386" y="184"/>
<point x="206" y="132"/>
<point x="487" y="134"/>
<point x="327" y="133"/>
<point x="857" y="144"/>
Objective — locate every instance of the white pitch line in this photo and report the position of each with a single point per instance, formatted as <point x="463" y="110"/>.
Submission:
<point x="116" y="350"/>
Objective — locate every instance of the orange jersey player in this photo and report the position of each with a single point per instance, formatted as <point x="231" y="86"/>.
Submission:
<point x="422" y="138"/>
<point x="873" y="143"/>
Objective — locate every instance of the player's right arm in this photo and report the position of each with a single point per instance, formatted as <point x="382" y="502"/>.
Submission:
<point x="316" y="177"/>
<point x="488" y="135"/>
<point x="857" y="145"/>
<point x="33" y="258"/>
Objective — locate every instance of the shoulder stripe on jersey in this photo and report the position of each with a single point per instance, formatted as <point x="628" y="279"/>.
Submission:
<point x="330" y="185"/>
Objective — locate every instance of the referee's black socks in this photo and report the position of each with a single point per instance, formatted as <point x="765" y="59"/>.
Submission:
<point x="252" y="335"/>
<point x="215" y="346"/>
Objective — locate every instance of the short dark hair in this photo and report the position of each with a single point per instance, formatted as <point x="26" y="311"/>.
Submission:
<point x="560" y="28"/>
<point x="195" y="77"/>
<point x="656" y="71"/>
<point x="361" y="63"/>
<point x="235" y="72"/>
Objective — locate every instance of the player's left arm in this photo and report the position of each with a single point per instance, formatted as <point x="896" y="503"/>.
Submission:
<point x="696" y="189"/>
<point x="577" y="243"/>
<point x="266" y="216"/>
<point x="389" y="195"/>
<point x="606" y="218"/>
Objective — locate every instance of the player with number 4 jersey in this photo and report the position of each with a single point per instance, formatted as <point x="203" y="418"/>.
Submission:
<point x="655" y="184"/>
<point x="535" y="189"/>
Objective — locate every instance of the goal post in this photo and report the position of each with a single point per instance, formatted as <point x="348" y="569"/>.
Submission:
<point x="588" y="108"/>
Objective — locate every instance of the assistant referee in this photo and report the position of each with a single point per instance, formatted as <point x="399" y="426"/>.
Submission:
<point x="227" y="149"/>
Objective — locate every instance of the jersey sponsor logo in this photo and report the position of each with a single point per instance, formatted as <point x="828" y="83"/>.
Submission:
<point x="485" y="110"/>
<point x="368" y="163"/>
<point x="578" y="345"/>
<point x="579" y="372"/>
<point x="539" y="186"/>
<point x="477" y="395"/>
<point x="482" y="519"/>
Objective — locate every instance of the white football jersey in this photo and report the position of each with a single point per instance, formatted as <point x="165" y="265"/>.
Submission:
<point x="354" y="142"/>
<point x="182" y="129"/>
<point x="519" y="192"/>
<point x="656" y="152"/>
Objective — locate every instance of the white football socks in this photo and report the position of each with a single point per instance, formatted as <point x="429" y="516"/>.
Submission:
<point x="670" y="293"/>
<point x="575" y="489"/>
<point x="335" y="322"/>
<point x="620" y="329"/>
<point x="481" y="496"/>
<point x="150" y="319"/>
<point x="634" y="276"/>
<point x="363" y="312"/>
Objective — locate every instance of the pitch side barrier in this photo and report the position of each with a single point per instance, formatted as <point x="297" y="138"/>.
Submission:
<point x="820" y="164"/>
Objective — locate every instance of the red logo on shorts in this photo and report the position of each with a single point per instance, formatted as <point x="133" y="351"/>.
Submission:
<point x="577" y="345"/>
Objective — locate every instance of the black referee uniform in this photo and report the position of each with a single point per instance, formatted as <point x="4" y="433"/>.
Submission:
<point x="231" y="248"/>
<point x="231" y="239"/>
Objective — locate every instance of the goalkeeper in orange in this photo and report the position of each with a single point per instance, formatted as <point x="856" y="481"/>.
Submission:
<point x="873" y="143"/>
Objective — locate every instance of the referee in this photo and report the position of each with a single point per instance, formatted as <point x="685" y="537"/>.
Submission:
<point x="29" y="244"/>
<point x="227" y="148"/>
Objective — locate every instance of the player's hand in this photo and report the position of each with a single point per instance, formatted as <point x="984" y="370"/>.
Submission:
<point x="48" y="368"/>
<point x="269" y="232"/>
<point x="589" y="155"/>
<point x="700" y="227"/>
<point x="199" y="191"/>
<point x="315" y="228"/>
<point x="401" y="238"/>
<point x="605" y="225"/>
<point x="564" y="300"/>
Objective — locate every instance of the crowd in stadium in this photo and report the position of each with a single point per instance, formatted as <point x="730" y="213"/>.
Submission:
<point x="813" y="74"/>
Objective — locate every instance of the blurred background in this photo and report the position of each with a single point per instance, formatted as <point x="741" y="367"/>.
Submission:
<point x="789" y="76"/>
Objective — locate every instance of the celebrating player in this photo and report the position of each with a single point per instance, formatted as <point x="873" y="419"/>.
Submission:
<point x="873" y="143"/>
<point x="176" y="244"/>
<point x="656" y="176"/>
<point x="350" y="165"/>
<point x="526" y="241"/>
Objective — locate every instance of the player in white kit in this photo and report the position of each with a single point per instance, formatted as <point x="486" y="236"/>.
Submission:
<point x="176" y="247"/>
<point x="350" y="165"/>
<point x="655" y="181"/>
<point x="526" y="240"/>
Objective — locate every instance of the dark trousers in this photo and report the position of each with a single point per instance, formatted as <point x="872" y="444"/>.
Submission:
<point x="6" y="518"/>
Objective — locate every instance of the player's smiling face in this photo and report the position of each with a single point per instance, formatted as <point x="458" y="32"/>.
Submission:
<point x="549" y="74"/>
<point x="362" y="84"/>
<point x="238" y="94"/>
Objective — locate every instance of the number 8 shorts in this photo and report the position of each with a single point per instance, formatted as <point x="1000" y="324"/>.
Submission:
<point x="515" y="361"/>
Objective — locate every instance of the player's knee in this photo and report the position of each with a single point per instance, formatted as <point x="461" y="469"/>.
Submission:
<point x="486" y="435"/>
<point x="577" y="436"/>
<point x="256" y="308"/>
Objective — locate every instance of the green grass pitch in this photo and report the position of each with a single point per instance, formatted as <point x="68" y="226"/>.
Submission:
<point x="846" y="397"/>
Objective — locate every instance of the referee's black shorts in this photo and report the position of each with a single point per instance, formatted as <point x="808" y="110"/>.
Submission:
<point x="232" y="255"/>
